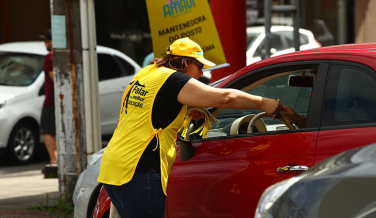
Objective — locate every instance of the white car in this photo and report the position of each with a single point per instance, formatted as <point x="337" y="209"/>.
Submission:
<point x="22" y="95"/>
<point x="282" y="41"/>
<point x="87" y="188"/>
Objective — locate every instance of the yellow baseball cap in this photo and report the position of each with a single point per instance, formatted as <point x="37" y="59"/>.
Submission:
<point x="188" y="48"/>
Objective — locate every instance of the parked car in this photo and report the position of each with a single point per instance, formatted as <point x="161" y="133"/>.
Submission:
<point x="340" y="186"/>
<point x="87" y="188"/>
<point x="281" y="41"/>
<point x="22" y="95"/>
<point x="225" y="174"/>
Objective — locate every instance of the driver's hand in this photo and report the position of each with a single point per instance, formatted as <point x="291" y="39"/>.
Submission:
<point x="196" y="115"/>
<point x="292" y="117"/>
<point x="289" y="113"/>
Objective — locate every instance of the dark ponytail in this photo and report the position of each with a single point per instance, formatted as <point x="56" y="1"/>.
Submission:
<point x="178" y="63"/>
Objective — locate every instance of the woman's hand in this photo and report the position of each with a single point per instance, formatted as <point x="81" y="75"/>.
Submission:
<point x="271" y="106"/>
<point x="196" y="115"/>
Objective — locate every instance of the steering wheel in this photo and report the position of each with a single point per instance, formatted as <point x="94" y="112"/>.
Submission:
<point x="262" y="115"/>
<point x="238" y="124"/>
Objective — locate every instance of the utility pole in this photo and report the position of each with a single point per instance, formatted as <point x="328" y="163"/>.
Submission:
<point x="76" y="88"/>
<point x="269" y="9"/>
<point x="69" y="96"/>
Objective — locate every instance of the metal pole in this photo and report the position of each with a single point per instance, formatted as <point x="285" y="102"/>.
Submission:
<point x="86" y="76"/>
<point x="296" y="24"/>
<point x="97" y="137"/>
<point x="341" y="21"/>
<point x="268" y="24"/>
<point x="90" y="75"/>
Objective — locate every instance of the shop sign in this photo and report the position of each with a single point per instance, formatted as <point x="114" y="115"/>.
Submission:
<point x="174" y="19"/>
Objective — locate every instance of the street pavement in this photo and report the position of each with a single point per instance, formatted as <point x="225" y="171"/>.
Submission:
<point x="22" y="187"/>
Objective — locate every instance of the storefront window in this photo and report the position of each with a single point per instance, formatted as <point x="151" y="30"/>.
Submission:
<point x="331" y="21"/>
<point x="124" y="25"/>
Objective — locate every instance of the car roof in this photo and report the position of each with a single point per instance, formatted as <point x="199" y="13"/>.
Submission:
<point x="39" y="48"/>
<point x="24" y="47"/>
<point x="364" y="53"/>
<point x="261" y="29"/>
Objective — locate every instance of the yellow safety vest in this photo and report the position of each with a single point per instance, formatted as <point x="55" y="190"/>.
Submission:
<point x="135" y="130"/>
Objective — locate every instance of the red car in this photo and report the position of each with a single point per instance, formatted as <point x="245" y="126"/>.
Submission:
<point x="225" y="174"/>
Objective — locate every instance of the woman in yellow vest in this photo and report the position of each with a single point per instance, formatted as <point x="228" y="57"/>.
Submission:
<point x="138" y="159"/>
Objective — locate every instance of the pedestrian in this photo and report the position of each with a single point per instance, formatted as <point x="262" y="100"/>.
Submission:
<point x="48" y="111"/>
<point x="138" y="159"/>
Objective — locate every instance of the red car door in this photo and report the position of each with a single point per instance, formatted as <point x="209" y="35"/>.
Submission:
<point x="226" y="178"/>
<point x="228" y="172"/>
<point x="349" y="118"/>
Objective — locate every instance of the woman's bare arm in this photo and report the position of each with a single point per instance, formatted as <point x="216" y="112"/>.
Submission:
<point x="195" y="93"/>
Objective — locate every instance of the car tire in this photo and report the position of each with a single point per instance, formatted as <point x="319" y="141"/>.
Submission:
<point x="93" y="201"/>
<point x="106" y="214"/>
<point x="22" y="144"/>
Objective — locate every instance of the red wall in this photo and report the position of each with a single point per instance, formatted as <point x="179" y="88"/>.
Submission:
<point x="230" y="19"/>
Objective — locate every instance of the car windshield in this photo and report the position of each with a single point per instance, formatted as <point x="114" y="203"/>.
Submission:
<point x="18" y="69"/>
<point x="276" y="87"/>
<point x="251" y="38"/>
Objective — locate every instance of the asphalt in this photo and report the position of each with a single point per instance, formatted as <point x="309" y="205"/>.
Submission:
<point x="22" y="187"/>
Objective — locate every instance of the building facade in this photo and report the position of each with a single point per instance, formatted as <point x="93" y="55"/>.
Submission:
<point x="124" y="25"/>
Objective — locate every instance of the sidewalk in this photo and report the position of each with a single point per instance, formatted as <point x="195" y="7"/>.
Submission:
<point x="22" y="187"/>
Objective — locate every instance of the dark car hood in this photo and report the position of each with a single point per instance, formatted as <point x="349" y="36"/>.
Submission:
<point x="358" y="161"/>
<point x="340" y="186"/>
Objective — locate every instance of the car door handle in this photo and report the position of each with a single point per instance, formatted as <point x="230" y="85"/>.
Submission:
<point x="292" y="168"/>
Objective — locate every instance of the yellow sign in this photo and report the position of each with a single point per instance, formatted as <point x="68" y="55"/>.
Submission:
<point x="174" y="19"/>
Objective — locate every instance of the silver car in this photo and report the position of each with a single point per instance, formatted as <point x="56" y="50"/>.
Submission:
<point x="87" y="188"/>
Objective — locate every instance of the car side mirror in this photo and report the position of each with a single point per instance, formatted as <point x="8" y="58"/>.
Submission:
<point x="186" y="148"/>
<point x="301" y="81"/>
